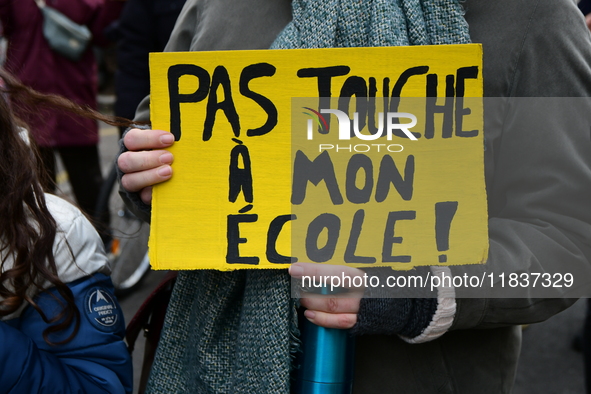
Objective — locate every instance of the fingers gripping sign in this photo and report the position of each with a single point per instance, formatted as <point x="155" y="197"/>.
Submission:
<point x="336" y="310"/>
<point x="147" y="162"/>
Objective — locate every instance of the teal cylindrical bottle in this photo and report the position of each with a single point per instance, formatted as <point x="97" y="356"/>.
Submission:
<point x="326" y="360"/>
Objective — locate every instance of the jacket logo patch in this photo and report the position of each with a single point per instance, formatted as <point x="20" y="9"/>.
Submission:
<point x="101" y="309"/>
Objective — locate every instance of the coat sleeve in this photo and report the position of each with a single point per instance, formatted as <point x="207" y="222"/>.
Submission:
<point x="538" y="161"/>
<point x="95" y="361"/>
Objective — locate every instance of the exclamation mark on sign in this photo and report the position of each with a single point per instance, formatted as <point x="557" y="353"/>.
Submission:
<point x="444" y="214"/>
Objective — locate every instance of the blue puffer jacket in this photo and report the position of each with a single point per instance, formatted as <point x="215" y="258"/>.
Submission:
<point x="96" y="360"/>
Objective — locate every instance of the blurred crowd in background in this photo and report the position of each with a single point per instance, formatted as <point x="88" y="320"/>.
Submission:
<point x="114" y="64"/>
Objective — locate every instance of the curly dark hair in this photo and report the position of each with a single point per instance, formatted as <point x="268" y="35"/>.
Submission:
<point x="27" y="229"/>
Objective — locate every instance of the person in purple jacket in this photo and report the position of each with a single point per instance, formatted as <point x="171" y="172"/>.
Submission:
<point x="30" y="58"/>
<point x="61" y="328"/>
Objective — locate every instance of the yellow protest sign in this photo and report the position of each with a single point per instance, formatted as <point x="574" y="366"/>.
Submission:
<point x="360" y="156"/>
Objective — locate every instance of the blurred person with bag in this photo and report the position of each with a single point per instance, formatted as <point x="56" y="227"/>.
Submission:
<point x="32" y="60"/>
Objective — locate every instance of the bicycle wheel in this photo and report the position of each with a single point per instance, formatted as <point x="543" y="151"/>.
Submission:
<point x="127" y="240"/>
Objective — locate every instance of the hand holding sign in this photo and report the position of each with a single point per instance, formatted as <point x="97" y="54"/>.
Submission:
<point x="146" y="163"/>
<point x="336" y="310"/>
